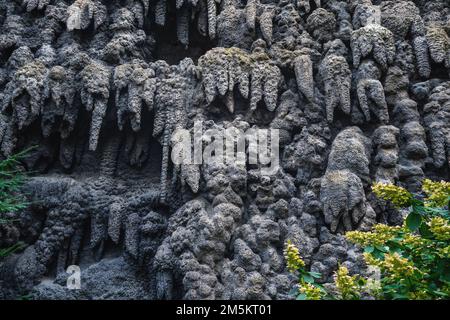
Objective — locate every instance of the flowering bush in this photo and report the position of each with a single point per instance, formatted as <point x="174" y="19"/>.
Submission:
<point x="413" y="259"/>
<point x="308" y="289"/>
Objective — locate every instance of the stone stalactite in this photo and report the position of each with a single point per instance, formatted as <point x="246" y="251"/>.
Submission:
<point x="376" y="40"/>
<point x="94" y="94"/>
<point x="135" y="85"/>
<point x="254" y="75"/>
<point x="385" y="140"/>
<point x="336" y="75"/>
<point x="35" y="4"/>
<point x="304" y="73"/>
<point x="84" y="12"/>
<point x="436" y="120"/>
<point x="342" y="189"/>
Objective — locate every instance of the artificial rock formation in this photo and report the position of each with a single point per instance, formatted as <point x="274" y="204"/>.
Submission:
<point x="342" y="190"/>
<point x="358" y="92"/>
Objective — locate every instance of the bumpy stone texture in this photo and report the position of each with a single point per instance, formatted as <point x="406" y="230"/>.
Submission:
<point x="359" y="91"/>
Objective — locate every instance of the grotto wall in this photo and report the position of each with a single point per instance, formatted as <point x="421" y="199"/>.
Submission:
<point x="359" y="91"/>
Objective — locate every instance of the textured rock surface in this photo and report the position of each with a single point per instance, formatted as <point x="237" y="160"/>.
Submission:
<point x="359" y="91"/>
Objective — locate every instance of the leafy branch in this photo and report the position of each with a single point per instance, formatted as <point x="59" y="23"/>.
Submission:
<point x="11" y="179"/>
<point x="413" y="260"/>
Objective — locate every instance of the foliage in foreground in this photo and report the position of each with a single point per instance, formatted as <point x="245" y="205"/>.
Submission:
<point x="412" y="261"/>
<point x="11" y="179"/>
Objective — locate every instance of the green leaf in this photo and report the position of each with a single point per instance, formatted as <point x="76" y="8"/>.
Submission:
<point x="302" y="296"/>
<point x="413" y="221"/>
<point x="361" y="281"/>
<point x="369" y="249"/>
<point x="10" y="250"/>
<point x="399" y="296"/>
<point x="378" y="254"/>
<point x="384" y="249"/>
<point x="440" y="293"/>
<point x="307" y="278"/>
<point x="445" y="276"/>
<point x="316" y="275"/>
<point x="293" y="291"/>
<point x="424" y="231"/>
<point x="397" y="250"/>
<point x="25" y="297"/>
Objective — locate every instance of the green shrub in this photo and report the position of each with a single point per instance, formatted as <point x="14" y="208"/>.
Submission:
<point x="11" y="179"/>
<point x="7" y="251"/>
<point x="413" y="260"/>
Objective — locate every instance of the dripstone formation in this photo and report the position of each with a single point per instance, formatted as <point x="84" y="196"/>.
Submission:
<point x="359" y="91"/>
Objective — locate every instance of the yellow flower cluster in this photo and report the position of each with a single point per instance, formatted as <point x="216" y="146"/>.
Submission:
<point x="444" y="252"/>
<point x="440" y="228"/>
<point x="346" y="285"/>
<point x="397" y="266"/>
<point x="379" y="235"/>
<point x="393" y="266"/>
<point x="311" y="292"/>
<point x="438" y="192"/>
<point x="399" y="196"/>
<point x="373" y="287"/>
<point x="415" y="241"/>
<point x="418" y="295"/>
<point x="292" y="256"/>
<point x="371" y="260"/>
